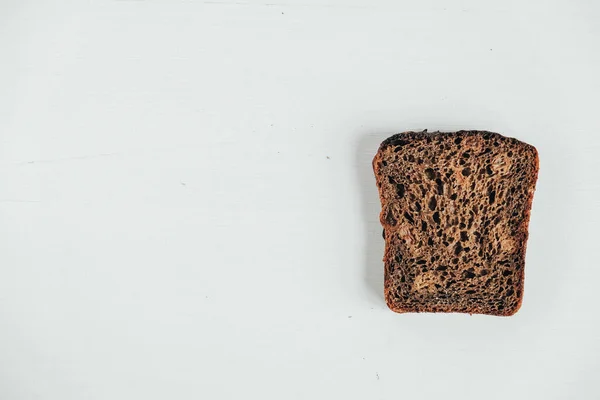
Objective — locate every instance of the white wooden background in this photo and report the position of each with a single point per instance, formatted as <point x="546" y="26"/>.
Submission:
<point x="187" y="207"/>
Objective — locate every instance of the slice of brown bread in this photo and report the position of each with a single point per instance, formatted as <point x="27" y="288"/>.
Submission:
<point x="455" y="210"/>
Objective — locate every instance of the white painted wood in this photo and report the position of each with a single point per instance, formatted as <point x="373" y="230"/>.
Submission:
<point x="187" y="207"/>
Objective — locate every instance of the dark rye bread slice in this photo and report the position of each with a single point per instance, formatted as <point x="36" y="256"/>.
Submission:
<point x="455" y="210"/>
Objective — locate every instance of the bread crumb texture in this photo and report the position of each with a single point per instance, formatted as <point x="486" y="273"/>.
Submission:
<point x="455" y="209"/>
